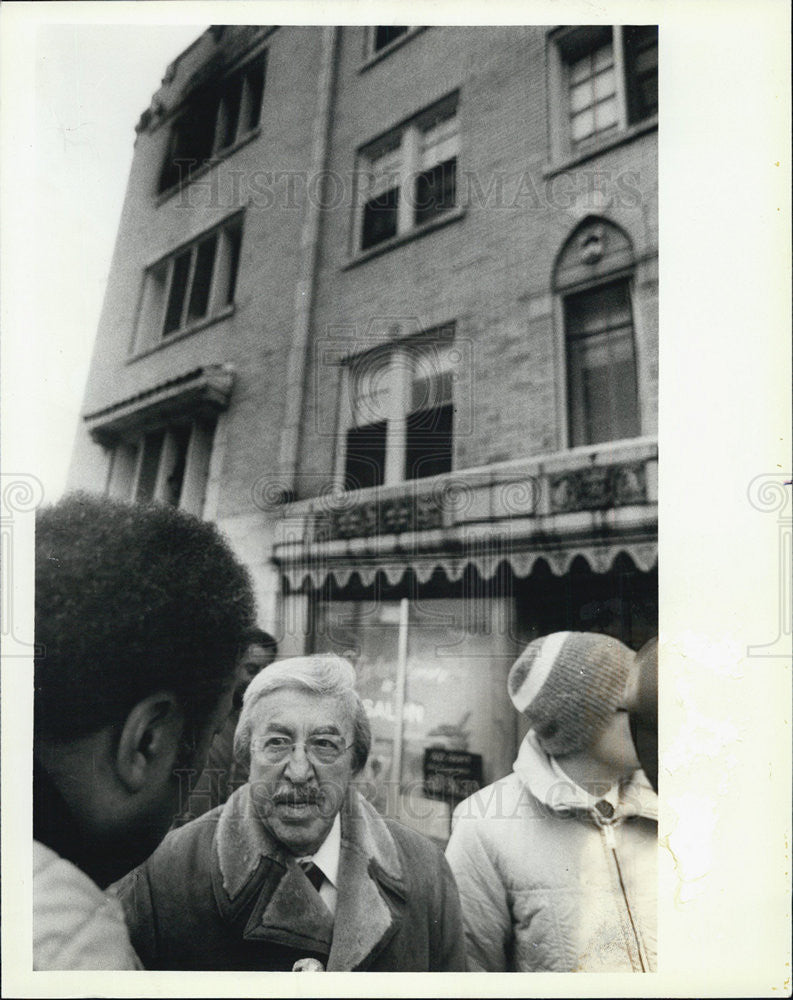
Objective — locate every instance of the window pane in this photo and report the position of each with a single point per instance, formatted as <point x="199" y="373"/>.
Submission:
<point x="580" y="96"/>
<point x="428" y="446"/>
<point x="581" y="69"/>
<point x="603" y="58"/>
<point x="605" y="115"/>
<point x="181" y="271"/>
<point x="152" y="307"/>
<point x="604" y="85"/>
<point x="385" y="34"/>
<point x="199" y="132"/>
<point x="440" y="139"/>
<point x="583" y="124"/>
<point x="600" y="309"/>
<point x="171" y="172"/>
<point x="365" y="456"/>
<point x="229" y="113"/>
<point x="592" y="93"/>
<point x="150" y="464"/>
<point x="434" y="390"/>
<point x="255" y="85"/>
<point x="234" y="243"/>
<point x="191" y="141"/>
<point x="122" y="470"/>
<point x="624" y="397"/>
<point x="174" y="477"/>
<point x="380" y="218"/>
<point x="436" y="191"/>
<point x="202" y="279"/>
<point x="381" y="166"/>
<point x="602" y="390"/>
<point x="370" y="388"/>
<point x="596" y="389"/>
<point x="641" y="67"/>
<point x="609" y="386"/>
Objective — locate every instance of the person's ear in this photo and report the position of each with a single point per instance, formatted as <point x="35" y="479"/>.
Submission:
<point x="149" y="739"/>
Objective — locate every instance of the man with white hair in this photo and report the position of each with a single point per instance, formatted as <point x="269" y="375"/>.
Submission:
<point x="297" y="870"/>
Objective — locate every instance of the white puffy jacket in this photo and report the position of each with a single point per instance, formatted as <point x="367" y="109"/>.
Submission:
<point x="547" y="882"/>
<point x="75" y="924"/>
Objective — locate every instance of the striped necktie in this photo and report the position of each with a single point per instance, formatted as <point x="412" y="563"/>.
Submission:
<point x="312" y="873"/>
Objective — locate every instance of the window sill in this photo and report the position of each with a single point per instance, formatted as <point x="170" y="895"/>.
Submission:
<point x="213" y="161"/>
<point x="188" y="331"/>
<point x="402" y="238"/>
<point x="618" y="139"/>
<point x="388" y="49"/>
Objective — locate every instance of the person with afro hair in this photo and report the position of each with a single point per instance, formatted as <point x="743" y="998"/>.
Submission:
<point x="141" y="615"/>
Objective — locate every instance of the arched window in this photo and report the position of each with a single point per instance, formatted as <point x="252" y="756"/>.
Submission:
<point x="593" y="280"/>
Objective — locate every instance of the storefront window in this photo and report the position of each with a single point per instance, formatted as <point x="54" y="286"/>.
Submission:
<point x="432" y="674"/>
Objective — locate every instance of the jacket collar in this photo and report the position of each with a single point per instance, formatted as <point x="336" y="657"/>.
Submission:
<point x="533" y="767"/>
<point x="248" y="864"/>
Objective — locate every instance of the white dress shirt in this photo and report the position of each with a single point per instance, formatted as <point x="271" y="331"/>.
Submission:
<point x="327" y="860"/>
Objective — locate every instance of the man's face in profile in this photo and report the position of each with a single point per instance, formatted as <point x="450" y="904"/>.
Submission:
<point x="139" y="834"/>
<point x="254" y="659"/>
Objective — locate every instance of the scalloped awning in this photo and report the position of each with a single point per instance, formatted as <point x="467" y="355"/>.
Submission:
<point x="313" y="572"/>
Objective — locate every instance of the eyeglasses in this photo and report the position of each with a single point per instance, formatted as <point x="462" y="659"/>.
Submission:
<point x="318" y="749"/>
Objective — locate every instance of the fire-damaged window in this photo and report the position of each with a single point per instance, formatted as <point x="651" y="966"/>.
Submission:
<point x="215" y="118"/>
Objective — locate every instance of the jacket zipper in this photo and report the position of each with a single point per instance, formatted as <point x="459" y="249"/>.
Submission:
<point x="611" y="843"/>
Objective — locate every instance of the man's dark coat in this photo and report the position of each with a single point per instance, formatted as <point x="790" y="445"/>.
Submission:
<point x="220" y="893"/>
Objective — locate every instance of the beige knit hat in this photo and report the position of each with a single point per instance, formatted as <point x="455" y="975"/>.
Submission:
<point x="568" y="685"/>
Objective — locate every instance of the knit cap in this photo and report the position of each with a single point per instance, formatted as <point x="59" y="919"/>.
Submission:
<point x="568" y="685"/>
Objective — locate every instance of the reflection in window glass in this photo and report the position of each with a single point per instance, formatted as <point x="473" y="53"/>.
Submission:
<point x="455" y="697"/>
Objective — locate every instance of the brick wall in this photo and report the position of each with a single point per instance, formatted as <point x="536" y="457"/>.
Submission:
<point x="490" y="271"/>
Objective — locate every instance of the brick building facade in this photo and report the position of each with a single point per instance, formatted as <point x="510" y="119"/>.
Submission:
<point x="384" y="306"/>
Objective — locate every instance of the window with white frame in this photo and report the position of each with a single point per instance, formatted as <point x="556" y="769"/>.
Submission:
<point x="408" y="178"/>
<point x="602" y="391"/>
<point x="604" y="78"/>
<point x="399" y="414"/>
<point x="168" y="464"/>
<point x="193" y="284"/>
<point x="214" y="120"/>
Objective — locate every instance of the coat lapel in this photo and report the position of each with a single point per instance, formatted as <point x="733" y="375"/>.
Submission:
<point x="250" y="865"/>
<point x="371" y="888"/>
<point x="293" y="915"/>
<point x="260" y="887"/>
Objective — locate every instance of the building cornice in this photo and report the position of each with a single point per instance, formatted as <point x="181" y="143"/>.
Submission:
<point x="205" y="390"/>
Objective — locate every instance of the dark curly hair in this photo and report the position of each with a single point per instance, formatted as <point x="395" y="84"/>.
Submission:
<point x="132" y="599"/>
